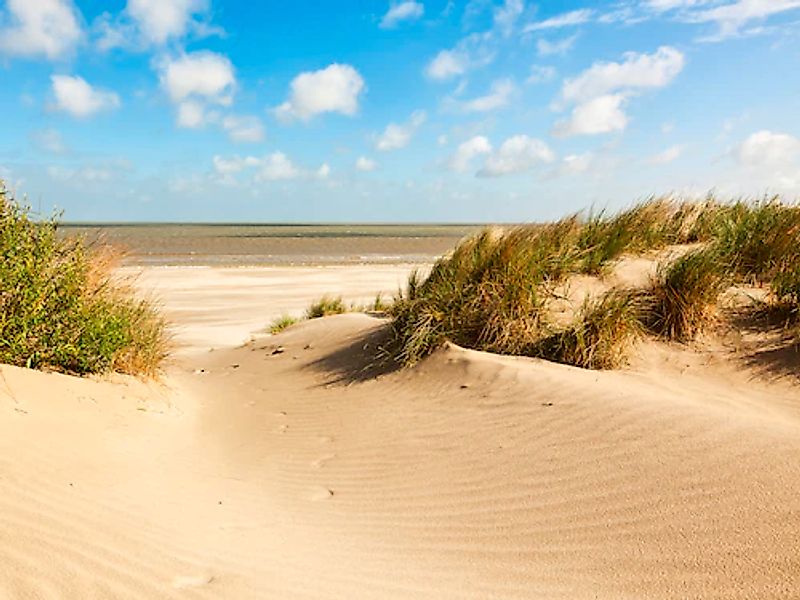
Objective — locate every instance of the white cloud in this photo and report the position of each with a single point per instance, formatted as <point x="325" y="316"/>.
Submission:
<point x="397" y="136"/>
<point x="447" y="64"/>
<point x="517" y="154"/>
<point x="770" y="160"/>
<point x="498" y="97"/>
<point x="575" y="17"/>
<point x="402" y="11"/>
<point x="49" y="28"/>
<point x="336" y="88"/>
<point x="245" y="129"/>
<point x="506" y="15"/>
<point x="146" y="23"/>
<point x="768" y="149"/>
<point x="545" y="48"/>
<point x="637" y="71"/>
<point x="599" y="115"/>
<point x="73" y="95"/>
<point x="540" y="74"/>
<point x="191" y="114"/>
<point x="731" y="18"/>
<point x="573" y="164"/>
<point x="601" y="90"/>
<point x="365" y="164"/>
<point x="324" y="171"/>
<point x="162" y="20"/>
<point x="468" y="150"/>
<point x="201" y="74"/>
<point x="276" y="166"/>
<point x="667" y="156"/>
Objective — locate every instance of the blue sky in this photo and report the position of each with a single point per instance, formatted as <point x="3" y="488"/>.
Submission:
<point x="427" y="110"/>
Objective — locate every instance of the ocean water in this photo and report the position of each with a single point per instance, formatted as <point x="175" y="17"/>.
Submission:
<point x="255" y="244"/>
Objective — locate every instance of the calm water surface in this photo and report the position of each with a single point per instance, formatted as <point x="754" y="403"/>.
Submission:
<point x="252" y="244"/>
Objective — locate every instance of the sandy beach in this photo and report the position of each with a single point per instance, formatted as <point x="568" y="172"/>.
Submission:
<point x="284" y="468"/>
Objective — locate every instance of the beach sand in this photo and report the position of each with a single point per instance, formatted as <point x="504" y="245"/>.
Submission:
<point x="285" y="468"/>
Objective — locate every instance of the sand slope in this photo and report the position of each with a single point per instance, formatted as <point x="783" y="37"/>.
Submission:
<point x="297" y="475"/>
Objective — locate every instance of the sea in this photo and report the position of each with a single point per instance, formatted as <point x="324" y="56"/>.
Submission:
<point x="242" y="244"/>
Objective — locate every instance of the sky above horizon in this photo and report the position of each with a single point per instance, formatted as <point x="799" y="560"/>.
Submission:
<point x="410" y="111"/>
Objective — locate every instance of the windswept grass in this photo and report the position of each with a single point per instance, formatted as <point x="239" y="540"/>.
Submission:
<point x="494" y="291"/>
<point x="599" y="336"/>
<point x="61" y="308"/>
<point x="326" y="306"/>
<point x="680" y="301"/>
<point x="281" y="323"/>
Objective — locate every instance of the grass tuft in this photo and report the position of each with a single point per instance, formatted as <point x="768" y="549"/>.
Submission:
<point x="599" y="336"/>
<point x="281" y="323"/>
<point x="680" y="301"/>
<point x="325" y="306"/>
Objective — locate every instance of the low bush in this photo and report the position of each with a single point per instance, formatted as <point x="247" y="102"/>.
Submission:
<point x="325" y="306"/>
<point x="62" y="309"/>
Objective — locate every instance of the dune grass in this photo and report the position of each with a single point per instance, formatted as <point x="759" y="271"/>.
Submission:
<point x="681" y="298"/>
<point x="493" y="292"/>
<point x="62" y="309"/>
<point x="281" y="323"/>
<point x="599" y="336"/>
<point x="326" y="306"/>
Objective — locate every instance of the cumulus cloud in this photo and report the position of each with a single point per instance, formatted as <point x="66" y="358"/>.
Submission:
<point x="635" y="72"/>
<point x="771" y="159"/>
<point x="575" y="17"/>
<point x="40" y="28"/>
<point x="517" y="154"/>
<point x="397" y="136"/>
<point x="244" y="129"/>
<point x="74" y="96"/>
<point x="448" y="64"/>
<point x="203" y="75"/>
<point x="467" y="151"/>
<point x="276" y="166"/>
<point x="365" y="164"/>
<point x="601" y="91"/>
<point x="562" y="46"/>
<point x="498" y="97"/>
<point x="402" y="11"/>
<point x="146" y="23"/>
<point x="599" y="115"/>
<point x="667" y="156"/>
<point x="336" y="88"/>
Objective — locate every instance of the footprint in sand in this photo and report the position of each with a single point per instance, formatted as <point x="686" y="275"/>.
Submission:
<point x="189" y="581"/>
<point x="320" y="493"/>
<point x="282" y="428"/>
<point x="320" y="462"/>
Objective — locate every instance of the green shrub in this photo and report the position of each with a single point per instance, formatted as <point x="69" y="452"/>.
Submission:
<point x="325" y="306"/>
<point x="60" y="307"/>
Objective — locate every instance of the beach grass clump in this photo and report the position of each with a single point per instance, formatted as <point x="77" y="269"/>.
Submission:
<point x="62" y="309"/>
<point x="757" y="239"/>
<point x="682" y="296"/>
<point x="490" y="293"/>
<point x="281" y="323"/>
<point x="599" y="336"/>
<point x="326" y="306"/>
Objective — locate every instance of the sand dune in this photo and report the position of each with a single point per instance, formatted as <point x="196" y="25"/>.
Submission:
<point x="282" y="470"/>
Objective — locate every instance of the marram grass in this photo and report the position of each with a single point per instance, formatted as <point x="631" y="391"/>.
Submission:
<point x="62" y="309"/>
